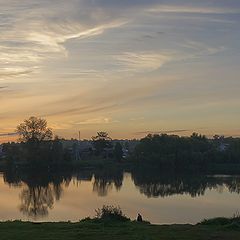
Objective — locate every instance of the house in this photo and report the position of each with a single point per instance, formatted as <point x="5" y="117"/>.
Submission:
<point x="223" y="147"/>
<point x="78" y="149"/>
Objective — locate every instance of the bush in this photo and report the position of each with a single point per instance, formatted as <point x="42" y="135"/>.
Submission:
<point x="86" y="219"/>
<point x="216" y="221"/>
<point x="233" y="222"/>
<point x="110" y="213"/>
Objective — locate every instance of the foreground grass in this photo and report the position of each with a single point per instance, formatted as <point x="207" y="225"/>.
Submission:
<point x="91" y="230"/>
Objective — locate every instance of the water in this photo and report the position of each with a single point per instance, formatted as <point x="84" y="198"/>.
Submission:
<point x="159" y="198"/>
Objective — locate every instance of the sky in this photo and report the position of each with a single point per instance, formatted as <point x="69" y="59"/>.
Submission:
<point x="126" y="67"/>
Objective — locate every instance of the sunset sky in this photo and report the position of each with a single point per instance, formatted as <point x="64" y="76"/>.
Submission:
<point x="128" y="67"/>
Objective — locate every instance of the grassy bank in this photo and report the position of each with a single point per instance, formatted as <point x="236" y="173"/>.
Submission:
<point x="91" y="230"/>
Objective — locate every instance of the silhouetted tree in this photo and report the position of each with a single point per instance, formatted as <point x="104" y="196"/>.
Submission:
<point x="101" y="141"/>
<point x="174" y="152"/>
<point x="34" y="130"/>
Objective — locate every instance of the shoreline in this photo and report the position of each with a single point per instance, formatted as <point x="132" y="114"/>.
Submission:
<point x="90" y="229"/>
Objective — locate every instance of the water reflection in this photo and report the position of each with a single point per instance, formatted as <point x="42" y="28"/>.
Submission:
<point x="159" y="184"/>
<point x="40" y="190"/>
<point x="105" y="180"/>
<point x="36" y="201"/>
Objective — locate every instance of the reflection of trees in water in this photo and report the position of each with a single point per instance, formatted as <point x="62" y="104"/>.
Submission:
<point x="40" y="190"/>
<point x="160" y="184"/>
<point x="35" y="201"/>
<point x="233" y="185"/>
<point x="102" y="186"/>
<point x="104" y="181"/>
<point x="168" y="187"/>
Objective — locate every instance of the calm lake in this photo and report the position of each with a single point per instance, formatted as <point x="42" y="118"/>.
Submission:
<point x="160" y="199"/>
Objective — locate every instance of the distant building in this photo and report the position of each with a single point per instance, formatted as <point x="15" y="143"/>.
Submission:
<point x="85" y="148"/>
<point x="78" y="149"/>
<point x="125" y="152"/>
<point x="223" y="147"/>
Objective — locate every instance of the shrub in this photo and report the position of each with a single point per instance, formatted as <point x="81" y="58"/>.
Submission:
<point x="233" y="222"/>
<point x="86" y="219"/>
<point x="216" y="221"/>
<point x="110" y="213"/>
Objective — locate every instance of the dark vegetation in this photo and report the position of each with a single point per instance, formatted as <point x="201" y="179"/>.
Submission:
<point x="43" y="165"/>
<point x="227" y="223"/>
<point x="195" y="153"/>
<point x="97" y="228"/>
<point x="110" y="213"/>
<point x="38" y="149"/>
<point x="101" y="142"/>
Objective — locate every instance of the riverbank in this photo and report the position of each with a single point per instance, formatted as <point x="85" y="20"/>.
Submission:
<point x="91" y="230"/>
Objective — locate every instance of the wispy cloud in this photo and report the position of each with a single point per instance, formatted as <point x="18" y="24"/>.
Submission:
<point x="99" y="120"/>
<point x="139" y="62"/>
<point x="14" y="72"/>
<point x="200" y="48"/>
<point x="192" y="9"/>
<point x="163" y="132"/>
<point x="142" y="61"/>
<point x="137" y="119"/>
<point x="4" y="87"/>
<point x="34" y="32"/>
<point x="91" y="62"/>
<point x="60" y="126"/>
<point x="81" y="110"/>
<point x="39" y="43"/>
<point x="7" y="134"/>
<point x="54" y="37"/>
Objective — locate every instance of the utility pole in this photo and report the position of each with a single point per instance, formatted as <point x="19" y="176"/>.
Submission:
<point x="77" y="148"/>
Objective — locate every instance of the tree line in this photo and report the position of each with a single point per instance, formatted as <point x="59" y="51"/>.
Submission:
<point x="37" y="146"/>
<point x="196" y="152"/>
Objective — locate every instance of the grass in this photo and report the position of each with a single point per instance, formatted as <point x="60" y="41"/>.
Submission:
<point x="227" y="223"/>
<point x="111" y="224"/>
<point x="91" y="229"/>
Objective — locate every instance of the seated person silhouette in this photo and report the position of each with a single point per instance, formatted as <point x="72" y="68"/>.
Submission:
<point x="139" y="218"/>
